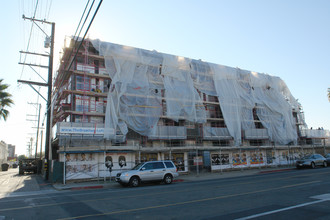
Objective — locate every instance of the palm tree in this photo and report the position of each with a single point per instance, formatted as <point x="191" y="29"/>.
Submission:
<point x="5" y="100"/>
<point x="329" y="94"/>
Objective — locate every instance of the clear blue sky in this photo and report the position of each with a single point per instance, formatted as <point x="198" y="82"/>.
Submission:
<point x="289" y="39"/>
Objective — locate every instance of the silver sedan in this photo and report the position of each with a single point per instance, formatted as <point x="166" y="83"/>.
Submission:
<point x="327" y="157"/>
<point x="311" y="161"/>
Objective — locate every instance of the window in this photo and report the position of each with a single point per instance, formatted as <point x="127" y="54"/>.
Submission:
<point x="158" y="165"/>
<point x="148" y="166"/>
<point x="256" y="119"/>
<point x="169" y="164"/>
<point x="82" y="83"/>
<point x="80" y="59"/>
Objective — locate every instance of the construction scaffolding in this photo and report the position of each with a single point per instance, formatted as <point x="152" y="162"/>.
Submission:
<point x="147" y="85"/>
<point x="151" y="105"/>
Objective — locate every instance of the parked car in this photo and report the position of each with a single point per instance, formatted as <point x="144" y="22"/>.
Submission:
<point x="311" y="161"/>
<point x="159" y="171"/>
<point x="327" y="157"/>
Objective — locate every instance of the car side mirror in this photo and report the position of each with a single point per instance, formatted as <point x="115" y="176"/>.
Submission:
<point x="143" y="168"/>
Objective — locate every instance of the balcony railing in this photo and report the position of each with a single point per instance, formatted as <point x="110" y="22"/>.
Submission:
<point x="215" y="133"/>
<point x="310" y="133"/>
<point x="256" y="134"/>
<point x="169" y="133"/>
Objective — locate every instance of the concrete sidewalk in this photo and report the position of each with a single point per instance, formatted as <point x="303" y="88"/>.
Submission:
<point x="182" y="178"/>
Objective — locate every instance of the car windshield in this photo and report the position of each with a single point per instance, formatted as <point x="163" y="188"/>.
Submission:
<point x="137" y="166"/>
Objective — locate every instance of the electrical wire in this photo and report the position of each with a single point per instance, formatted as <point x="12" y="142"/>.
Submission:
<point x="28" y="45"/>
<point x="50" y="5"/>
<point x="98" y="7"/>
<point x="77" y="37"/>
<point x="82" y="17"/>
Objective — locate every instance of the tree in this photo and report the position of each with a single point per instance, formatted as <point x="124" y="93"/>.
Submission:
<point x="20" y="157"/>
<point x="5" y="100"/>
<point x="329" y="94"/>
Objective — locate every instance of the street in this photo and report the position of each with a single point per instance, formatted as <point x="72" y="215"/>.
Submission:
<point x="11" y="181"/>
<point x="294" y="194"/>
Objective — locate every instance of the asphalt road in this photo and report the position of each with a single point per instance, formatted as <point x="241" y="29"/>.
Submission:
<point x="11" y="181"/>
<point x="296" y="194"/>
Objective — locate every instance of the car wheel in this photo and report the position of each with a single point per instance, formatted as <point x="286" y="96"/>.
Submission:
<point x="168" y="179"/>
<point x="313" y="165"/>
<point x="134" y="181"/>
<point x="325" y="164"/>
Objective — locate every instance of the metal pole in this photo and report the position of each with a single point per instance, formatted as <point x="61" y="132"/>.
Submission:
<point x="41" y="144"/>
<point x="289" y="155"/>
<point x="49" y="100"/>
<point x="64" y="167"/>
<point x="104" y="177"/>
<point x="30" y="151"/>
<point x="197" y="160"/>
<point x="35" y="157"/>
<point x="220" y="162"/>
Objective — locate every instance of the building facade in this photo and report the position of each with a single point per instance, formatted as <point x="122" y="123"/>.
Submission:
<point x="3" y="152"/>
<point x="11" y="150"/>
<point x="128" y="105"/>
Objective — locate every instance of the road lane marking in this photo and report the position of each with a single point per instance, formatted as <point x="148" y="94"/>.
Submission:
<point x="188" y="202"/>
<point x="93" y="200"/>
<point x="322" y="198"/>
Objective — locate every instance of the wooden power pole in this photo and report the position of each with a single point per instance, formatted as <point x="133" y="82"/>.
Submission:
<point x="48" y="84"/>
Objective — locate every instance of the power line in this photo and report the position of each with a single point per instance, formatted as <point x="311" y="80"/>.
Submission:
<point x="28" y="45"/>
<point x="77" y="37"/>
<point x="90" y="23"/>
<point x="82" y="17"/>
<point x="50" y="5"/>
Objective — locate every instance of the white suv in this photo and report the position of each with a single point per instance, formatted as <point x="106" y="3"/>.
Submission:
<point x="148" y="171"/>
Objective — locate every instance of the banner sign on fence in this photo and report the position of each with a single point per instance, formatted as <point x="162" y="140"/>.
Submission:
<point x="83" y="130"/>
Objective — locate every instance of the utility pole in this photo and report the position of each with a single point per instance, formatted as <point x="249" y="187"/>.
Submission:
<point x="30" y="148"/>
<point x="41" y="144"/>
<point x="38" y="126"/>
<point x="48" y="84"/>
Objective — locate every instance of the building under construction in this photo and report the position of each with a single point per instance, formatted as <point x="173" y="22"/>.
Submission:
<point x="121" y="105"/>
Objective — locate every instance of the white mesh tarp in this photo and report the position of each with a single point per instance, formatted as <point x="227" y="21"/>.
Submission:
<point x="138" y="77"/>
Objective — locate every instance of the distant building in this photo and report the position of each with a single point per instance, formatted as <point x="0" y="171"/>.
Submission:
<point x="11" y="150"/>
<point x="127" y="105"/>
<point x="12" y="157"/>
<point x="3" y="152"/>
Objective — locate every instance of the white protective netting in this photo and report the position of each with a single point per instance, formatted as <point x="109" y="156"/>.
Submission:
<point x="138" y="77"/>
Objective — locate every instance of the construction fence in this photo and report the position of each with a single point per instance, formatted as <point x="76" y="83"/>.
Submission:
<point x="104" y="165"/>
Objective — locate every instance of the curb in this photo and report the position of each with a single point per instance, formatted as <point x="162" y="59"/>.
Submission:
<point x="86" y="187"/>
<point x="275" y="171"/>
